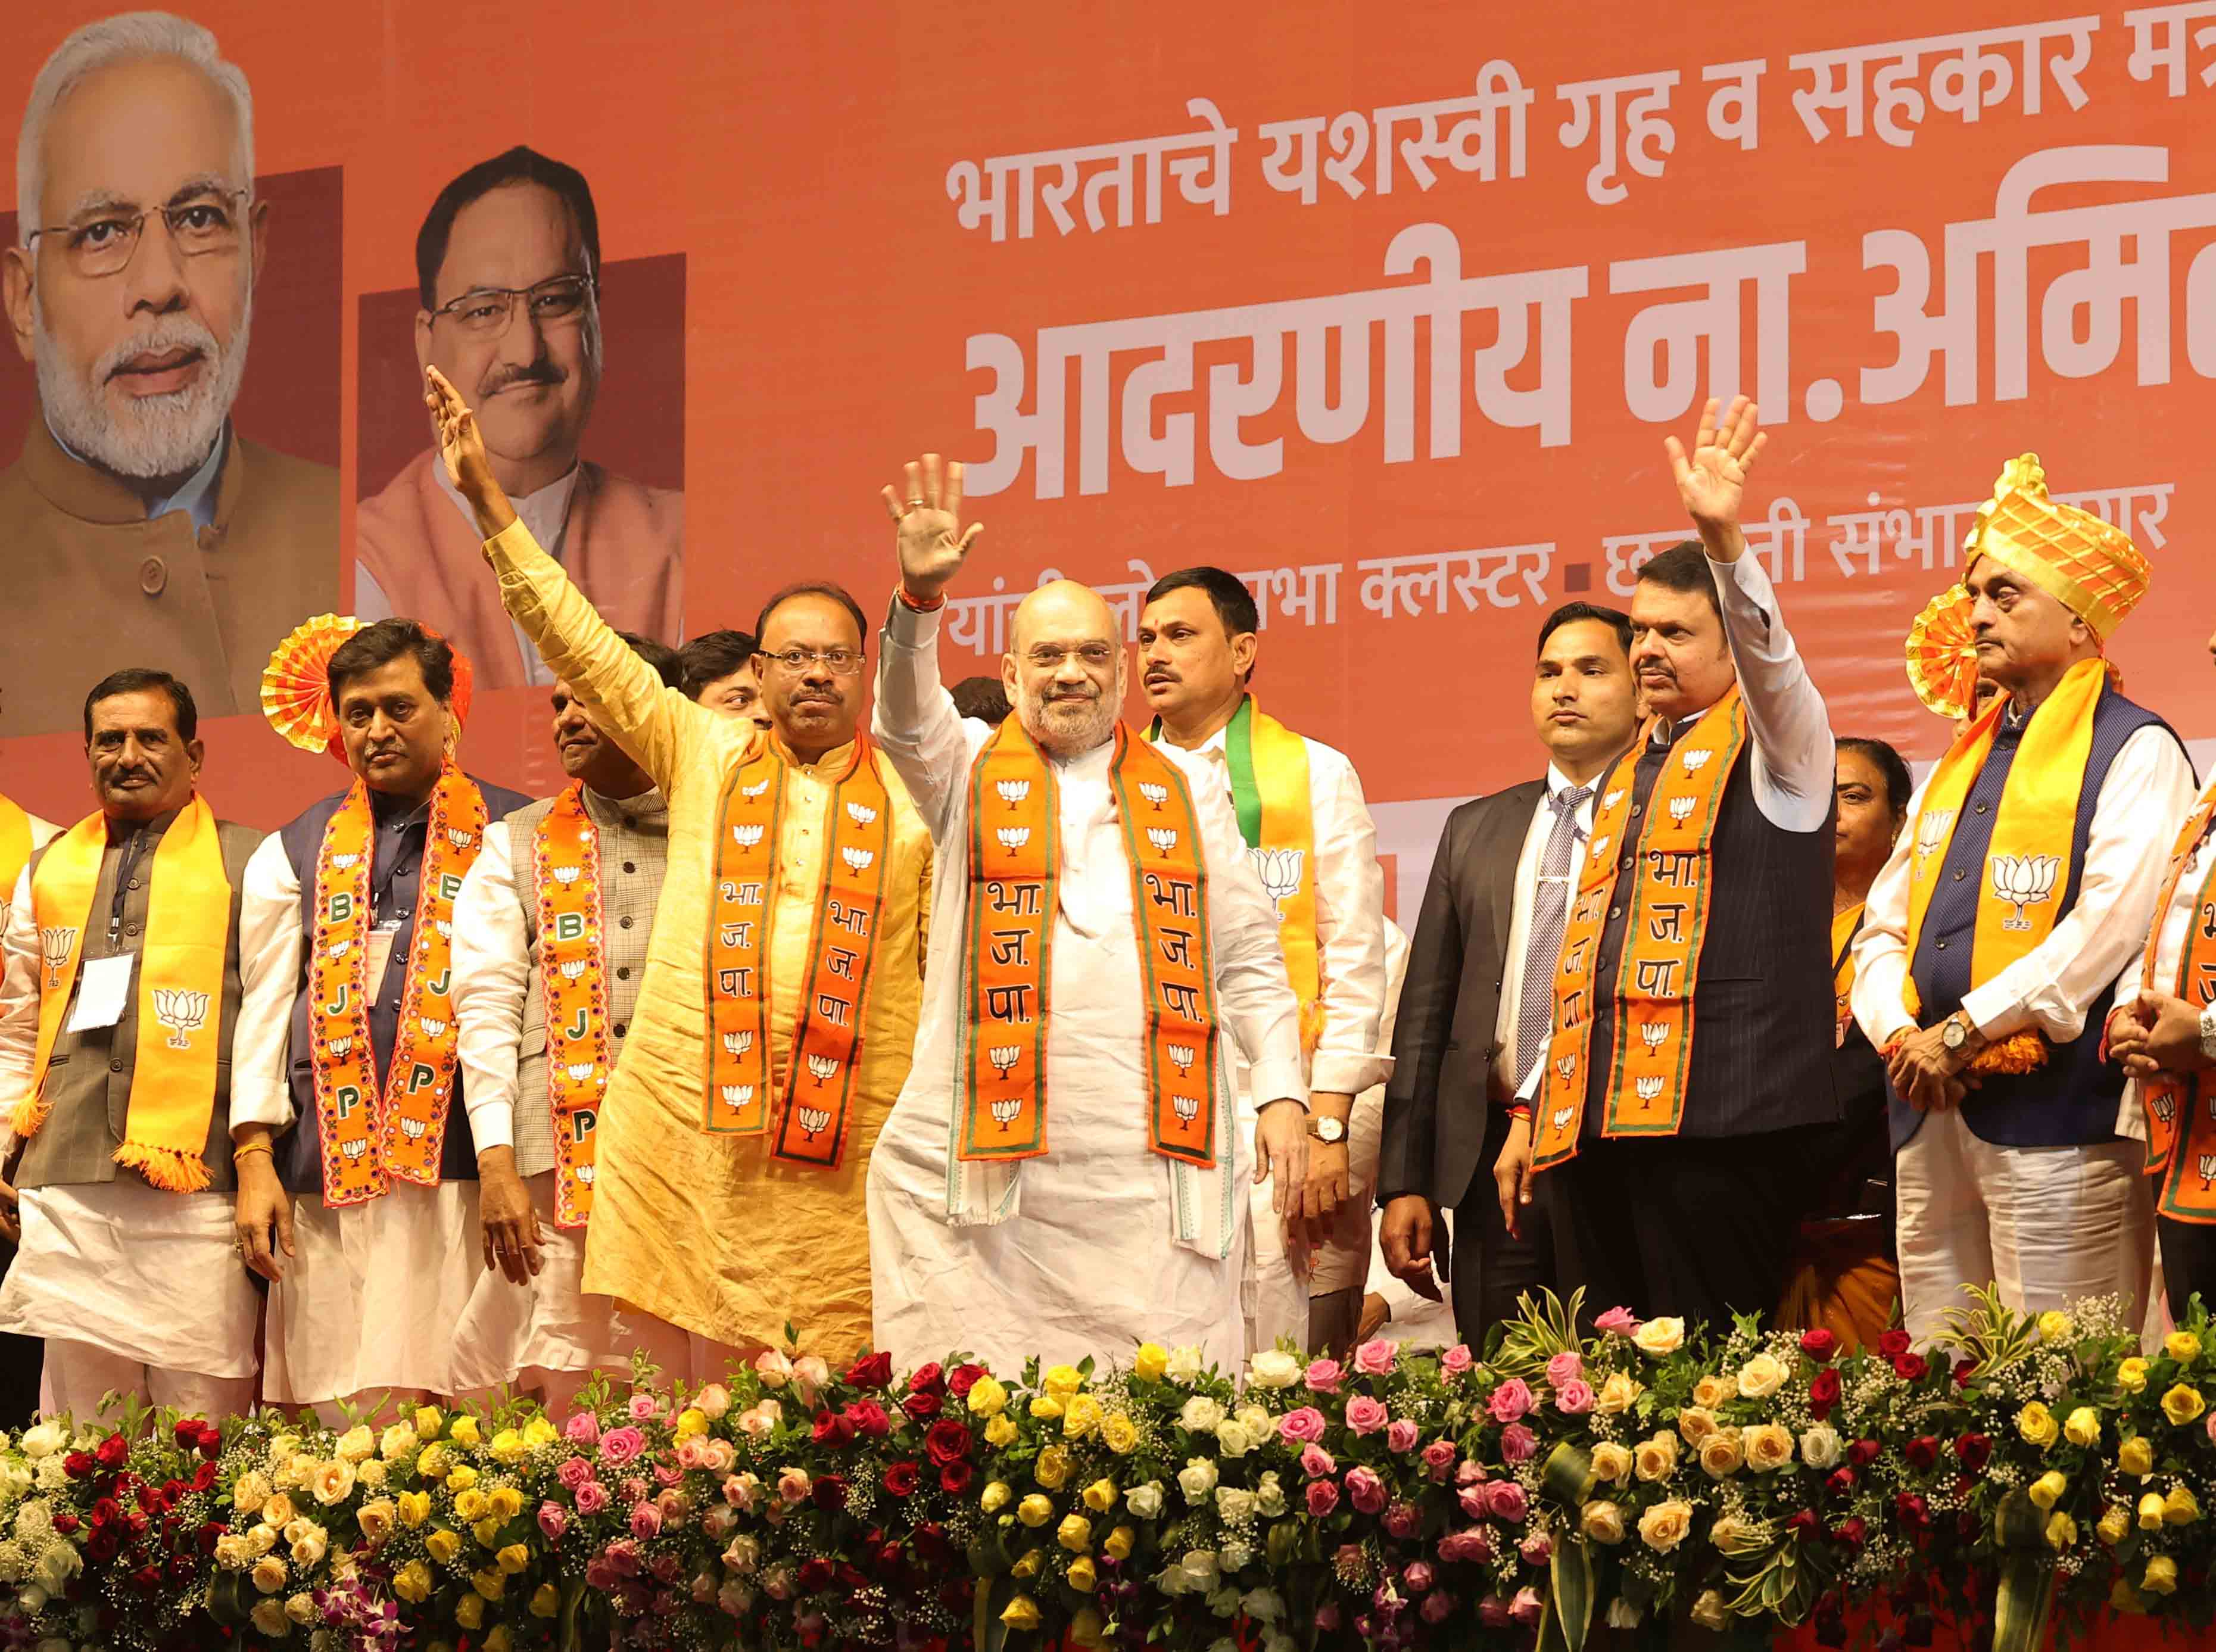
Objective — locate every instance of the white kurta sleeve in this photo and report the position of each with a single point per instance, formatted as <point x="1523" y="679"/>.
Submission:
<point x="914" y="720"/>
<point x="1795" y="755"/>
<point x="492" y="979"/>
<point x="1349" y="892"/>
<point x="1254" y="998"/>
<point x="1879" y="997"/>
<point x="269" y="947"/>
<point x="20" y="960"/>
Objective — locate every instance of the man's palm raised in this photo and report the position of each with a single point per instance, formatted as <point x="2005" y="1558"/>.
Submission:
<point x="927" y="514"/>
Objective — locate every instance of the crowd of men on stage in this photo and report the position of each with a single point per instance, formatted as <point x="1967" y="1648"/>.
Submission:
<point x="1031" y="1031"/>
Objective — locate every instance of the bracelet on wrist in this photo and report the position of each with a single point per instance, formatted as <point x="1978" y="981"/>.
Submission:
<point x="916" y="604"/>
<point x="1520" y="1110"/>
<point x="238" y="1153"/>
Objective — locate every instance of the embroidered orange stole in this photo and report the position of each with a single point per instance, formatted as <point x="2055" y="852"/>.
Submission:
<point x="2180" y="1110"/>
<point x="809" y="1125"/>
<point x="1014" y="868"/>
<point x="372" y="1136"/>
<point x="1667" y="890"/>
<point x="574" y="977"/>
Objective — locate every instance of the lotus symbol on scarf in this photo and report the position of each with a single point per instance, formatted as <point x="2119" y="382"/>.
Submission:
<point x="861" y="813"/>
<point x="1280" y="873"/>
<point x="585" y="1173"/>
<point x="1157" y="795"/>
<point x="1648" y="1087"/>
<point x="749" y="836"/>
<point x="1012" y="792"/>
<point x="1599" y="850"/>
<point x="339" y="949"/>
<point x="812" y="1119"/>
<point x="566" y="876"/>
<point x="2164" y="1104"/>
<point x="182" y="1011"/>
<point x="1681" y="809"/>
<point x="572" y="969"/>
<point x="1697" y="761"/>
<point x="1003" y="1056"/>
<point x="1182" y="1055"/>
<point x="1562" y="1116"/>
<point x="1013" y="837"/>
<point x="2207" y="1170"/>
<point x="579" y="1072"/>
<point x="1654" y="1035"/>
<point x="1187" y="1107"/>
<point x="856" y="860"/>
<point x="1612" y="799"/>
<point x="1005" y="1109"/>
<point x="56" y="943"/>
<point x="445" y="928"/>
<point x="414" y="1128"/>
<point x="461" y="839"/>
<point x="1931" y="832"/>
<point x="737" y="1044"/>
<point x="756" y="789"/>
<point x="737" y="1096"/>
<point x="1164" y="838"/>
<point x="2024" y="880"/>
<point x="820" y="1068"/>
<point x="337" y="1048"/>
<point x="346" y="862"/>
<point x="355" y="1149"/>
<point x="432" y="1028"/>
<point x="1565" y="1065"/>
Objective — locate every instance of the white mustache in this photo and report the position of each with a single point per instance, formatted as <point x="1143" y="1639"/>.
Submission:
<point x="158" y="337"/>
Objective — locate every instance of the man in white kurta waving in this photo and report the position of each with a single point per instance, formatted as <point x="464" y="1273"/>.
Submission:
<point x="1060" y="1174"/>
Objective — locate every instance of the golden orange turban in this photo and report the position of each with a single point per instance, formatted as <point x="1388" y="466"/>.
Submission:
<point x="2090" y="567"/>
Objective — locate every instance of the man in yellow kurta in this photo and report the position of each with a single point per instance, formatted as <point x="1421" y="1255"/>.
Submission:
<point x="778" y="1014"/>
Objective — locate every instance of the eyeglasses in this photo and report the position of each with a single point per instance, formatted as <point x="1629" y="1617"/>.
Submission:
<point x="205" y="223"/>
<point x="486" y="311"/>
<point x="839" y="661"/>
<point x="1096" y="656"/>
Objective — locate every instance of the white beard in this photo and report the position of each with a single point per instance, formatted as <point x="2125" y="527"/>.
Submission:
<point x="1067" y="734"/>
<point x="154" y="435"/>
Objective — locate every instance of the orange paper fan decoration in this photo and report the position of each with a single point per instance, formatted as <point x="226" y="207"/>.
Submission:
<point x="1943" y="654"/>
<point x="296" y="695"/>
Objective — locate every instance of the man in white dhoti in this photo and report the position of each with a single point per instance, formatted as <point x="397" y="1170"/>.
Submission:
<point x="1067" y="1185"/>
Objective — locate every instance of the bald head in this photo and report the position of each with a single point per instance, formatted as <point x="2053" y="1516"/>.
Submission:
<point x="1065" y="668"/>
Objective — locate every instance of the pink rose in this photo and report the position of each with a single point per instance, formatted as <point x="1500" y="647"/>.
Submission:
<point x="1472" y="1499"/>
<point x="645" y="1408"/>
<point x="1470" y="1472"/>
<point x="1526" y="1607"/>
<point x="1402" y="1436"/>
<point x="1457" y="1359"/>
<point x="1403" y="1519"/>
<point x="620" y="1445"/>
<point x="1366" y="1489"/>
<point x="1617" y="1321"/>
<point x="674" y="1506"/>
<point x="718" y="1455"/>
<point x="1538" y="1549"/>
<point x="792" y="1486"/>
<point x="1316" y="1462"/>
<point x="1493" y="1611"/>
<point x="1418" y="1577"/>
<point x="1323" y="1497"/>
<point x="592" y="1497"/>
<point x="574" y="1473"/>
<point x="757" y="1420"/>
<point x="810" y="1376"/>
<point x="645" y="1521"/>
<point x="2212" y="1425"/>
<point x="582" y="1428"/>
<point x="553" y="1521"/>
<point x="1375" y="1358"/>
<point x="1438" y="1457"/>
<point x="1365" y="1416"/>
<point x="1323" y="1376"/>
<point x="1503" y="1500"/>
<point x="692" y="1452"/>
<point x="633" y="1489"/>
<point x="742" y="1492"/>
<point x="1565" y="1365"/>
<point x="1574" y="1398"/>
<point x="1510" y="1400"/>
<point x="719" y="1522"/>
<point x="1439" y="1605"/>
<point x="1518" y="1444"/>
<point x="1303" y="1427"/>
<point x="1472" y="1544"/>
<point x="667" y="1474"/>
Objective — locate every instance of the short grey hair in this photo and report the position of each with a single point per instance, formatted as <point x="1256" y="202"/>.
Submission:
<point x="126" y="37"/>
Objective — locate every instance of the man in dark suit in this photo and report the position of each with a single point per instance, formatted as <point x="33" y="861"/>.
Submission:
<point x="1478" y="1002"/>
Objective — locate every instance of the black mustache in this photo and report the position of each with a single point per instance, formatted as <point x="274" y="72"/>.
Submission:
<point x="536" y="372"/>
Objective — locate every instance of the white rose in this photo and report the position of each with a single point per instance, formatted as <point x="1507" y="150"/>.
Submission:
<point x="262" y="1539"/>
<point x="1233" y="1506"/>
<point x="1184" y="1366"/>
<point x="310" y="1546"/>
<point x="41" y="1440"/>
<point x="1709" y="1612"/>
<point x="15" y="1477"/>
<point x="1231" y="1438"/>
<point x="1621" y="1614"/>
<point x="52" y="1473"/>
<point x="1257" y="1421"/>
<point x="1269" y="1495"/>
<point x="31" y="1598"/>
<point x="1196" y="1479"/>
<point x="1820" y="1446"/>
<point x="1235" y="1555"/>
<point x="1263" y="1605"/>
<point x="57" y="1563"/>
<point x="269" y="1617"/>
<point x="1145" y="1500"/>
<point x="1274" y="1368"/>
<point x="35" y="1519"/>
<point x="1200" y="1568"/>
<point x="1661" y="1337"/>
<point x="1760" y="1378"/>
<point x="1200" y="1414"/>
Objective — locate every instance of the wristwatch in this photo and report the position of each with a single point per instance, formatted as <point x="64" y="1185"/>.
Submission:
<point x="1325" y="1128"/>
<point x="1954" y="1034"/>
<point x="2209" y="1033"/>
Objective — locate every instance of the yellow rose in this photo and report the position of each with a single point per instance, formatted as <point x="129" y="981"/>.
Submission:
<point x="539" y="1432"/>
<point x="1084" y="1576"/>
<point x="497" y="1639"/>
<point x="994" y="1497"/>
<point x="2132" y="1374"/>
<point x="375" y="1520"/>
<point x="1062" y="1381"/>
<point x="1118" y="1545"/>
<point x="269" y="1617"/>
<point x="1000" y="1430"/>
<point x="1021" y="1612"/>
<point x="1052" y="1469"/>
<point x="2150" y="1512"/>
<point x="487" y="1533"/>
<point x="429" y="1421"/>
<point x="471" y="1507"/>
<point x="1618" y="1393"/>
<point x="278" y="1510"/>
<point x="1074" y="1534"/>
<point x="250" y="1492"/>
<point x="1768" y="1447"/>
<point x="1659" y="1338"/>
<point x="2122" y="1597"/>
<point x="1710" y="1392"/>
<point x="1710" y="1611"/>
<point x="1604" y="1521"/>
<point x="1026" y="1566"/>
<point x="1082" y="1416"/>
<point x="1695" y="1423"/>
<point x="1120" y="1432"/>
<point x="434" y="1463"/>
<point x="469" y="1612"/>
<point x="1656" y="1458"/>
<point x="490" y="1585"/>
<point x="2061" y="1530"/>
<point x="2037" y="1425"/>
<point x="398" y="1441"/>
<point x="2183" y="1404"/>
<point x="513" y="1559"/>
<point x="356" y="1444"/>
<point x="1046" y="1406"/>
<point x="546" y="1601"/>
<point x="412" y="1582"/>
<point x="2047" y="1489"/>
<point x="2115" y="1525"/>
<point x="2161" y="1576"/>
<point x="443" y="1545"/>
<point x="371" y="1474"/>
<point x="2055" y="1326"/>
<point x="1612" y="1462"/>
<point x="507" y="1446"/>
<point x="2179" y="1507"/>
<point x="2183" y="1346"/>
<point x="1149" y="1364"/>
<point x="1721" y="1453"/>
<point x="462" y="1477"/>
<point x="507" y="1502"/>
<point x="269" y="1574"/>
<point x="1760" y="1377"/>
<point x="415" y="1508"/>
<point x="1663" y="1526"/>
<point x="465" y="1432"/>
<point x="1035" y="1510"/>
<point x="1100" y="1496"/>
<point x="692" y="1421"/>
<point x="2136" y="1456"/>
<point x="2082" y="1427"/>
<point x="1087" y="1629"/>
<point x="988" y="1398"/>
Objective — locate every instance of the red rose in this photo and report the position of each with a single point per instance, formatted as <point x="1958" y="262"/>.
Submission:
<point x="104" y="1510"/>
<point x="948" y="1441"/>
<point x="927" y="1379"/>
<point x="211" y="1440"/>
<point x="1863" y="1453"/>
<point x="113" y="1451"/>
<point x="901" y="1478"/>
<point x="1853" y="1532"/>
<point x="870" y="1370"/>
<point x="954" y="1478"/>
<point x="102" y="1545"/>
<point x="66" y="1523"/>
<point x="204" y="1477"/>
<point x="923" y="1405"/>
<point x="1964" y="1371"/>
<point x="1893" y="1343"/>
<point x="147" y="1579"/>
<point x="1975" y="1451"/>
<point x="1914" y="1514"/>
<point x="181" y="1568"/>
<point x="832" y="1429"/>
<point x="208" y="1536"/>
<point x="1842" y="1481"/>
<point x="1820" y="1344"/>
<point x="829" y="1492"/>
<point x="964" y="1379"/>
<point x="79" y="1465"/>
<point x="868" y="1419"/>
<point x="1823" y="1392"/>
<point x="816" y="1573"/>
<point x="1921" y="1452"/>
<point x="931" y="1543"/>
<point x="189" y="1433"/>
<point x="1910" y="1367"/>
<point x="1806" y="1526"/>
